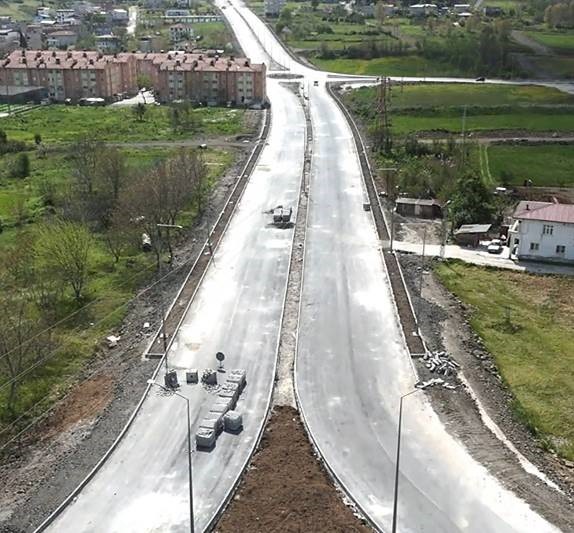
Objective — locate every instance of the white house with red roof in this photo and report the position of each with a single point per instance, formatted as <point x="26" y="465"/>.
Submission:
<point x="542" y="231"/>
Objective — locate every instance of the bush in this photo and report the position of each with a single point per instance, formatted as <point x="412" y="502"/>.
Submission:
<point x="21" y="167"/>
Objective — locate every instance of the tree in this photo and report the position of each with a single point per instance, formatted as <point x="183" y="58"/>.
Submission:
<point x="471" y="202"/>
<point x="23" y="341"/>
<point x="160" y="195"/>
<point x="85" y="158"/>
<point x="64" y="248"/>
<point x="21" y="166"/>
<point x="139" y="111"/>
<point x="380" y="14"/>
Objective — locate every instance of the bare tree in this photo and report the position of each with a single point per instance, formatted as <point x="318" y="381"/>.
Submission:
<point x="160" y="196"/>
<point x="65" y="250"/>
<point x="85" y="156"/>
<point x="22" y="341"/>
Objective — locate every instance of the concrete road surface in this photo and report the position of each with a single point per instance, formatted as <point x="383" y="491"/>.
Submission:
<point x="143" y="485"/>
<point x="352" y="364"/>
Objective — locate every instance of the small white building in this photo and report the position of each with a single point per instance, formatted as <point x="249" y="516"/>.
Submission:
<point x="120" y="16"/>
<point x="108" y="43"/>
<point x="180" y="32"/>
<point x="423" y="10"/>
<point x="61" y="39"/>
<point x="273" y="7"/>
<point x="461" y="8"/>
<point x="542" y="231"/>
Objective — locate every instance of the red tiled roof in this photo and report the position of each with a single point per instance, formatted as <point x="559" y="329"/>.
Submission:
<point x="548" y="213"/>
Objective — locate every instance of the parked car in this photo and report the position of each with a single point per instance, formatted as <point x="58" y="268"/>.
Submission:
<point x="495" y="246"/>
<point x="316" y="83"/>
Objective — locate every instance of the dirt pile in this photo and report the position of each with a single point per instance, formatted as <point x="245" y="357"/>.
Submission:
<point x="286" y="488"/>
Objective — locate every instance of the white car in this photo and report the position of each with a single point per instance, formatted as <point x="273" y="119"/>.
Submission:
<point x="495" y="246"/>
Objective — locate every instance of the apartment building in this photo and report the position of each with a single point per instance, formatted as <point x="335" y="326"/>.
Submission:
<point x="200" y="78"/>
<point x="71" y="74"/>
<point x="196" y="77"/>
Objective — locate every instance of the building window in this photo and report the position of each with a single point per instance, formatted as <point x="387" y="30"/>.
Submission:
<point x="547" y="229"/>
<point x="560" y="249"/>
<point x="534" y="246"/>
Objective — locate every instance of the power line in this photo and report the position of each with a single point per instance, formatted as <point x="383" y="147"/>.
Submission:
<point x="55" y="351"/>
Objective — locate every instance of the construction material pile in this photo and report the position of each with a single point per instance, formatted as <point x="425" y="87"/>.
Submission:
<point x="222" y="414"/>
<point x="440" y="363"/>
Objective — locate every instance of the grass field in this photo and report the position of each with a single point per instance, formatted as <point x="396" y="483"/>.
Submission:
<point x="111" y="285"/>
<point x="558" y="41"/>
<point x="409" y="65"/>
<point x="22" y="9"/>
<point x="526" y="323"/>
<point x="557" y="66"/>
<point x="60" y="123"/>
<point x="460" y="94"/>
<point x="451" y="122"/>
<point x="548" y="165"/>
<point x="456" y="94"/>
<point x="440" y="107"/>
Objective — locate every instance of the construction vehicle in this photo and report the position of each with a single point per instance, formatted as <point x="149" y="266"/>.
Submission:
<point x="282" y="216"/>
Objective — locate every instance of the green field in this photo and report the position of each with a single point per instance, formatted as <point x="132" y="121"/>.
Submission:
<point x="459" y="94"/>
<point x="441" y="107"/>
<point x="559" y="41"/>
<point x="557" y="66"/>
<point x="548" y="165"/>
<point x="409" y="65"/>
<point x="59" y="123"/>
<point x="477" y="94"/>
<point x="22" y="9"/>
<point x="526" y="323"/>
<point x="451" y="122"/>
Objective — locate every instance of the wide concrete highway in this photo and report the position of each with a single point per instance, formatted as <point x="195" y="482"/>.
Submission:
<point x="143" y="485"/>
<point x="352" y="365"/>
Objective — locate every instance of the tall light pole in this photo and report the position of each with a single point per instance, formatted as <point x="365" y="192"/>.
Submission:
<point x="396" y="495"/>
<point x="189" y="462"/>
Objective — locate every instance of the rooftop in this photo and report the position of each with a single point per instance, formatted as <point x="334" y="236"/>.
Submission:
<point x="545" y="212"/>
<point x="473" y="228"/>
<point x="418" y="201"/>
<point x="77" y="59"/>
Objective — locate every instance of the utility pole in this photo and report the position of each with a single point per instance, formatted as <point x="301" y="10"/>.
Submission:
<point x="421" y="274"/>
<point x="463" y="135"/>
<point x="444" y="228"/>
<point x="383" y="140"/>
<point x="161" y="300"/>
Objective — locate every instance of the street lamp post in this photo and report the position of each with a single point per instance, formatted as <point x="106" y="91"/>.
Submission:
<point x="397" y="462"/>
<point x="189" y="462"/>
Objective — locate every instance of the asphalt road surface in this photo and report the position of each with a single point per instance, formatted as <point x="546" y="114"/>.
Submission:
<point x="352" y="365"/>
<point x="143" y="486"/>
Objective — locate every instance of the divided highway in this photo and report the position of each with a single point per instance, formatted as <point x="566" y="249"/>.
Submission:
<point x="352" y="364"/>
<point x="351" y="367"/>
<point x="142" y="487"/>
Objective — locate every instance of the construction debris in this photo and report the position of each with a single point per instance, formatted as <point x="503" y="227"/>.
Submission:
<point x="440" y="363"/>
<point x="112" y="341"/>
<point x="233" y="421"/>
<point x="209" y="376"/>
<point x="191" y="376"/>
